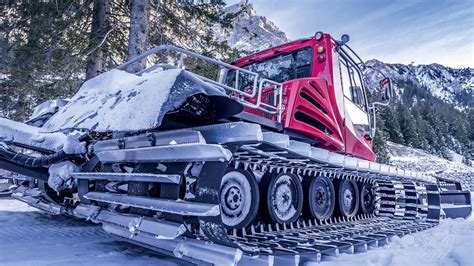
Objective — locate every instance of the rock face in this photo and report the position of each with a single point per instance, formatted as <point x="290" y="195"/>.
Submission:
<point x="250" y="31"/>
<point x="453" y="86"/>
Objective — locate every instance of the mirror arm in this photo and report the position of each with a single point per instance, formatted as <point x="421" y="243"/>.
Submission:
<point x="379" y="103"/>
<point x="374" y="119"/>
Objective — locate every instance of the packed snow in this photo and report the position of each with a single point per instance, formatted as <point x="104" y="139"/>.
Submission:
<point x="116" y="101"/>
<point x="29" y="237"/>
<point x="11" y="131"/>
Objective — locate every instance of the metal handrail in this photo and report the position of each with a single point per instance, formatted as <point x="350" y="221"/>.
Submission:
<point x="257" y="88"/>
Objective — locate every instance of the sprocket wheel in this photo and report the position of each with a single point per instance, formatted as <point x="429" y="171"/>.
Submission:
<point x="367" y="199"/>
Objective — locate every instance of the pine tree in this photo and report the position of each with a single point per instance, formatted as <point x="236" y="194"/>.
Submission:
<point x="380" y="141"/>
<point x="45" y="40"/>
<point x="392" y="126"/>
<point x="407" y="126"/>
<point x="138" y="34"/>
<point x="98" y="38"/>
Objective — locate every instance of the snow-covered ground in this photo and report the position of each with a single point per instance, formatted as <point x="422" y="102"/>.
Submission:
<point x="450" y="243"/>
<point x="419" y="160"/>
<point x="28" y="237"/>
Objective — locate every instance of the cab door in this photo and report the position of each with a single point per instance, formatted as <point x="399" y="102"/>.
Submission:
<point x="357" y="120"/>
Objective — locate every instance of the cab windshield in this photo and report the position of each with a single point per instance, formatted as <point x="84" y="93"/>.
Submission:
<point x="280" y="68"/>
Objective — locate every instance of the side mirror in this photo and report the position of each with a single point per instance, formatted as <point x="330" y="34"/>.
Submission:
<point x="385" y="86"/>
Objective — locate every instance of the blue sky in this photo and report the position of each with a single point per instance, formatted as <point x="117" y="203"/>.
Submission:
<point x="397" y="31"/>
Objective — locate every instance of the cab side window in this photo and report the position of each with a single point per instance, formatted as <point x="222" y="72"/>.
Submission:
<point x="355" y="104"/>
<point x="351" y="82"/>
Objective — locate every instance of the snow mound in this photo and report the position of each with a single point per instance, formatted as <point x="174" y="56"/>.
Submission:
<point x="449" y="243"/>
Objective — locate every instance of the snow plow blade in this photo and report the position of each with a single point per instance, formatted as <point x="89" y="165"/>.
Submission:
<point x="142" y="102"/>
<point x="455" y="202"/>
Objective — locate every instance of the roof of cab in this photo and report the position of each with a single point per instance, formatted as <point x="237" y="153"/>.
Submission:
<point x="290" y="46"/>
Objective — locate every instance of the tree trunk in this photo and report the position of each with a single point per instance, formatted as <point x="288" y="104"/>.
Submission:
<point x="97" y="43"/>
<point x="138" y="36"/>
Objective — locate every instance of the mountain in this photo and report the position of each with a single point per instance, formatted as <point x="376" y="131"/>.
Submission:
<point x="451" y="85"/>
<point x="249" y="31"/>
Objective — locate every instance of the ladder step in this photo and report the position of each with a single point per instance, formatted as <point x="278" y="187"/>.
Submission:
<point x="163" y="205"/>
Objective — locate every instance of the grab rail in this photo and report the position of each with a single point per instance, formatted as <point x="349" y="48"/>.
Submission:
<point x="259" y="83"/>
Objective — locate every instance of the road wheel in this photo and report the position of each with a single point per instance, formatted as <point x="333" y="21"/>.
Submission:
<point x="347" y="197"/>
<point x="239" y="198"/>
<point x="320" y="197"/>
<point x="282" y="197"/>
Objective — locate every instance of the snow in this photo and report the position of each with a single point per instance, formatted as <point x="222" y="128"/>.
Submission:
<point x="73" y="146"/>
<point x="60" y="175"/>
<point x="450" y="243"/>
<point x="48" y="107"/>
<point x="11" y="131"/>
<point x="419" y="160"/>
<point x="29" y="237"/>
<point x="116" y="101"/>
<point x="455" y="157"/>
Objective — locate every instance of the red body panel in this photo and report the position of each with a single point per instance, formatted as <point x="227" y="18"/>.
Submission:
<point x="314" y="106"/>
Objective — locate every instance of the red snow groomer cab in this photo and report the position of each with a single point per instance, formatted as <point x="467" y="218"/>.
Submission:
<point x="323" y="98"/>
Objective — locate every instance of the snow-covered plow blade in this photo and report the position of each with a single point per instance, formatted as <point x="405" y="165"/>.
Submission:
<point x="455" y="202"/>
<point x="117" y="101"/>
